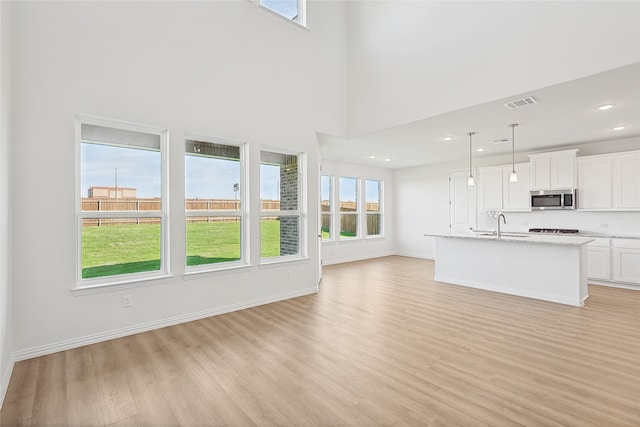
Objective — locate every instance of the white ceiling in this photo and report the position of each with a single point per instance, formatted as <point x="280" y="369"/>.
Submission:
<point x="565" y="114"/>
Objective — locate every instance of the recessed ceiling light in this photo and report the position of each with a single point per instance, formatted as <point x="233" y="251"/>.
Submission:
<point x="605" y="107"/>
<point x="448" y="138"/>
<point x="372" y="157"/>
<point x="618" y="128"/>
<point x="387" y="160"/>
<point x="480" y="149"/>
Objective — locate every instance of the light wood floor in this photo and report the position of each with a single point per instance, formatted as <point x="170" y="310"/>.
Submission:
<point x="381" y="344"/>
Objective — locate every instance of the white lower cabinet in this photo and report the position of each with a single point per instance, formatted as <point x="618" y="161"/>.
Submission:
<point x="599" y="259"/>
<point x="614" y="260"/>
<point x="626" y="260"/>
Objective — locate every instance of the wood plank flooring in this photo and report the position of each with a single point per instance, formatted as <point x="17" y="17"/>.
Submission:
<point x="381" y="344"/>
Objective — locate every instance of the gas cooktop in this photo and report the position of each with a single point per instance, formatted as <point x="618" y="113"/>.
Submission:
<point x="554" y="230"/>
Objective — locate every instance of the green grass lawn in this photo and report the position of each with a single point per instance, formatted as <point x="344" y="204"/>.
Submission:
<point x="120" y="249"/>
<point x="125" y="249"/>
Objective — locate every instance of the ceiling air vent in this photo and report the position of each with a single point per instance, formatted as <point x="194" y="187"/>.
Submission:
<point x="523" y="102"/>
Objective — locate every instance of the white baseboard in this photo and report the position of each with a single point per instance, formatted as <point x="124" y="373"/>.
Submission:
<point x="357" y="258"/>
<point x="6" y="377"/>
<point x="144" y="327"/>
<point x="614" y="284"/>
<point x="408" y="255"/>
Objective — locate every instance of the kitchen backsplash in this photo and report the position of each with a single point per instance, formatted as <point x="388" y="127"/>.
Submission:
<point x="622" y="223"/>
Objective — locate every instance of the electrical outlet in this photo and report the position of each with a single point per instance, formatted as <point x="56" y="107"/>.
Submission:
<point x="289" y="275"/>
<point x="127" y="301"/>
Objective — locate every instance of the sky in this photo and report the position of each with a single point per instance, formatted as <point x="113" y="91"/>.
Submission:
<point x="139" y="169"/>
<point x="210" y="178"/>
<point x="286" y="8"/>
<point x="348" y="189"/>
<point x="205" y="177"/>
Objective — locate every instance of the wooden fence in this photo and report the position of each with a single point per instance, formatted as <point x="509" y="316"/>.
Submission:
<point x="90" y="204"/>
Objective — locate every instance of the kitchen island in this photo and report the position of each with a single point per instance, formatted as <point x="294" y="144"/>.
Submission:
<point x="548" y="268"/>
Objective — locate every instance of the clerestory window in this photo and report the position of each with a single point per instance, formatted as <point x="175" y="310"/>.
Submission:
<point x="293" y="10"/>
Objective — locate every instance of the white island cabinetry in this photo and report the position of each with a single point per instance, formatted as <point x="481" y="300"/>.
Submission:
<point x="541" y="267"/>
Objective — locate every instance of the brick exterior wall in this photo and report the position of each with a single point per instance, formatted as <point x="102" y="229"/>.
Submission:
<point x="289" y="227"/>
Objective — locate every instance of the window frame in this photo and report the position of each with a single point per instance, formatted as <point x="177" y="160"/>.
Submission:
<point x="332" y="237"/>
<point x="357" y="212"/>
<point x="380" y="211"/>
<point x="242" y="213"/>
<point x="100" y="284"/>
<point x="300" y="19"/>
<point x="301" y="212"/>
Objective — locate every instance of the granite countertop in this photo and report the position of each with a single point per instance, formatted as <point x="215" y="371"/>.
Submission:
<point x="608" y="236"/>
<point x="592" y="234"/>
<point x="534" y="238"/>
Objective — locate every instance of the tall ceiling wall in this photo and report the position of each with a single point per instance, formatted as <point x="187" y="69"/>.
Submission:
<point x="410" y="60"/>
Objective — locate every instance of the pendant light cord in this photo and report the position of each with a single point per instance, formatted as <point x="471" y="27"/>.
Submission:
<point x="470" y="134"/>
<point x="513" y="147"/>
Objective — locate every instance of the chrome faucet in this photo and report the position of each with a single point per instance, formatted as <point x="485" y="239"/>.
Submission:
<point x="504" y="220"/>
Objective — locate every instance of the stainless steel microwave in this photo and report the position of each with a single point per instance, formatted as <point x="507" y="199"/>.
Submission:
<point x="553" y="199"/>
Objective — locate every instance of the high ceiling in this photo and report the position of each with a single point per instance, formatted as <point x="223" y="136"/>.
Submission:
<point x="422" y="70"/>
<point x="564" y="114"/>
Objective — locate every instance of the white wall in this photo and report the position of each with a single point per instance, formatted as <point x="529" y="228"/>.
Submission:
<point x="228" y="69"/>
<point x="355" y="249"/>
<point x="6" y="308"/>
<point x="400" y="52"/>
<point x="422" y="204"/>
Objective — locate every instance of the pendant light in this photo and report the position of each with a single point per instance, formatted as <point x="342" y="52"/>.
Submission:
<point x="470" y="181"/>
<point x="514" y="176"/>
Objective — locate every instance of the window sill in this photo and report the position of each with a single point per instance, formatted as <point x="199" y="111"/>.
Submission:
<point x="117" y="286"/>
<point x="196" y="274"/>
<point x="351" y="240"/>
<point x="283" y="260"/>
<point x="374" y="237"/>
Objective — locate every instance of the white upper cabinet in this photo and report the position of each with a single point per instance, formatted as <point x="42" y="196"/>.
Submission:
<point x="553" y="171"/>
<point x="490" y="188"/>
<point x="495" y="192"/>
<point x="609" y="182"/>
<point x="516" y="195"/>
<point x="540" y="177"/>
<point x="626" y="181"/>
<point x="594" y="182"/>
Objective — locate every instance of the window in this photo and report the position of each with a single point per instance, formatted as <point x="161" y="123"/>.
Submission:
<point x="348" y="208"/>
<point x="293" y="10"/>
<point x="325" y="207"/>
<point x="280" y="213"/>
<point x="215" y="212"/>
<point x="373" y="192"/>
<point x="122" y="207"/>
